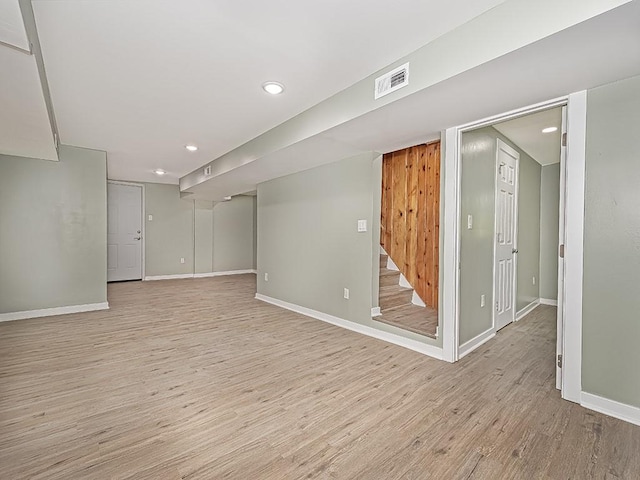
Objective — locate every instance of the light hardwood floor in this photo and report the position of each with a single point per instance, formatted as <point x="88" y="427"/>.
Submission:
<point x="194" y="379"/>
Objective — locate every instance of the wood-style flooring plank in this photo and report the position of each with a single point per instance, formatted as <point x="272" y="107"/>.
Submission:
<point x="195" y="379"/>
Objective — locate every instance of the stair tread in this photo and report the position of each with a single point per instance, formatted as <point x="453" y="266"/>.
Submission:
<point x="394" y="288"/>
<point x="387" y="272"/>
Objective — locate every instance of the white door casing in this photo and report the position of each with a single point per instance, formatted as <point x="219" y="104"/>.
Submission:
<point x="124" y="232"/>
<point x="561" y="226"/>
<point x="505" y="241"/>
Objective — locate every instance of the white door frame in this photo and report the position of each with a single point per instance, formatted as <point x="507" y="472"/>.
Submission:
<point x="574" y="233"/>
<point x="142" y="216"/>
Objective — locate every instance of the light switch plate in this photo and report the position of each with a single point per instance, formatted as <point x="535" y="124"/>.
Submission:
<point x="362" y="225"/>
<point x="469" y="222"/>
<point x="150" y="217"/>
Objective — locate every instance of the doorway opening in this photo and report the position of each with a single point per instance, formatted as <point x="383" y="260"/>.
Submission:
<point x="571" y="236"/>
<point x="512" y="216"/>
<point x="125" y="231"/>
<point x="410" y="239"/>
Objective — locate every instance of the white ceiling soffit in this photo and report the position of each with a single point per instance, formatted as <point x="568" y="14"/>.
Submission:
<point x="25" y="130"/>
<point x="12" y="30"/>
<point x="598" y="51"/>
<point x="141" y="79"/>
<point x="526" y="133"/>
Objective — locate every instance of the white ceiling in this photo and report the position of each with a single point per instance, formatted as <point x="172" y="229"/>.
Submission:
<point x="141" y="79"/>
<point x="24" y="123"/>
<point x="526" y="132"/>
<point x="12" y="29"/>
<point x="601" y="50"/>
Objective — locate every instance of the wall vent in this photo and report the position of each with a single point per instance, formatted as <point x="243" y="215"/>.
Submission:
<point x="207" y="170"/>
<point x="392" y="81"/>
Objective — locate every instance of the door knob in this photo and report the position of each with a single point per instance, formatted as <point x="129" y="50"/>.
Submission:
<point x="515" y="250"/>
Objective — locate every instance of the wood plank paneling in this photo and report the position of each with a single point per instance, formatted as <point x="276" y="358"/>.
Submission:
<point x="410" y="216"/>
<point x="411" y="212"/>
<point x="399" y="208"/>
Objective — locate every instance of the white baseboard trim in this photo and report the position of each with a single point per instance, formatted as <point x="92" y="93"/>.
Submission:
<point x="198" y="275"/>
<point x="224" y="273"/>
<point x="618" y="410"/>
<point x="430" y="350"/>
<point x="549" y="301"/>
<point x="49" y="312"/>
<point x="375" y="312"/>
<point x="520" y="314"/>
<point x="168" y="277"/>
<point x="469" y="346"/>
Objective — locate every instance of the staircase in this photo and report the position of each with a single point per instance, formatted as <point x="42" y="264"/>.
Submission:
<point x="397" y="307"/>
<point x="391" y="293"/>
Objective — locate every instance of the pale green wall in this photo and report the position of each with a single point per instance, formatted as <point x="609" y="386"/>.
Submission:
<point x="255" y="233"/>
<point x="233" y="234"/>
<point x="203" y="236"/>
<point x="53" y="235"/>
<point x="309" y="245"/>
<point x="210" y="237"/>
<point x="375" y="229"/>
<point x="611" y="299"/>
<point x="528" y="231"/>
<point x="549" y="220"/>
<point x="478" y="157"/>
<point x="169" y="236"/>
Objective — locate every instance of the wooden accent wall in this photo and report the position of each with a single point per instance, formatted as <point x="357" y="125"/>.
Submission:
<point x="410" y="216"/>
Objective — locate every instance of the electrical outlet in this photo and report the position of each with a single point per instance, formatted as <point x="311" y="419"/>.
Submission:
<point x="534" y="280"/>
<point x="346" y="293"/>
<point x="266" y="277"/>
<point x="150" y="217"/>
<point x="482" y="300"/>
<point x="182" y="260"/>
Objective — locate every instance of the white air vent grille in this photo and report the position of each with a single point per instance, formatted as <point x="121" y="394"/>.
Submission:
<point x="392" y="81"/>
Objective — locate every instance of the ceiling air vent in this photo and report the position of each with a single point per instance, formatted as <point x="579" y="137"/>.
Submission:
<point x="392" y="81"/>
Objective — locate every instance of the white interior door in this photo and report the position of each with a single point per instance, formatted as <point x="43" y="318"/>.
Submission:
<point x="506" y="214"/>
<point x="124" y="232"/>
<point x="560" y="310"/>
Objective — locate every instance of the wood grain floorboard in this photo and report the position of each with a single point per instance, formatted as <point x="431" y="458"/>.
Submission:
<point x="194" y="379"/>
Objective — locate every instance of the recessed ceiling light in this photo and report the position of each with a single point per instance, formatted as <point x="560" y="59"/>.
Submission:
<point x="549" y="129"/>
<point x="191" y="148"/>
<point x="274" y="88"/>
<point x="159" y="171"/>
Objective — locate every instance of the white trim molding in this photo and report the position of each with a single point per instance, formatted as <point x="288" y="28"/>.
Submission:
<point x="49" y="312"/>
<point x="549" y="301"/>
<point x="375" y="312"/>
<point x="574" y="246"/>
<point x="168" y="277"/>
<point x="224" y="273"/>
<point x="199" y="275"/>
<point x="416" y="346"/>
<point x="618" y="410"/>
<point x="467" y="347"/>
<point x="523" y="312"/>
